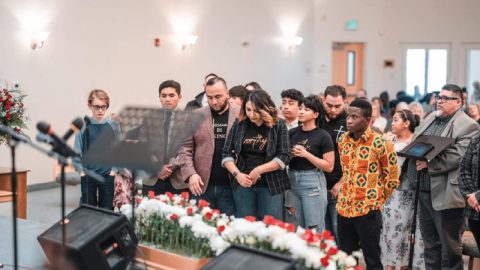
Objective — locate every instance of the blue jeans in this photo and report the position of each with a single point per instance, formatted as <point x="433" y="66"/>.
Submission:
<point x="258" y="202"/>
<point x="90" y="188"/>
<point x="220" y="197"/>
<point x="308" y="196"/>
<point x="331" y="215"/>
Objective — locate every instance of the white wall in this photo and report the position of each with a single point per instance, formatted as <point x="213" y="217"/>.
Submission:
<point x="109" y="44"/>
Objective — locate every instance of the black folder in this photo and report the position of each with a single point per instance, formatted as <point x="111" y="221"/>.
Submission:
<point x="426" y="147"/>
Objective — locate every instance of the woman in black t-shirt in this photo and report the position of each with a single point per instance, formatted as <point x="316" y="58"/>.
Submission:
<point x="313" y="154"/>
<point x="256" y="153"/>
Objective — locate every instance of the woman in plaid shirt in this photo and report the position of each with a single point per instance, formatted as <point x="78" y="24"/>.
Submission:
<point x="256" y="153"/>
<point x="469" y="184"/>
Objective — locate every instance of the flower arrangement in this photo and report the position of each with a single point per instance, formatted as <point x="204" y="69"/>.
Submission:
<point x="12" y="111"/>
<point x="190" y="228"/>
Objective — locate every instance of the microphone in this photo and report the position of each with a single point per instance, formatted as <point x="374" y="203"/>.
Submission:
<point x="75" y="126"/>
<point x="61" y="146"/>
<point x="44" y="138"/>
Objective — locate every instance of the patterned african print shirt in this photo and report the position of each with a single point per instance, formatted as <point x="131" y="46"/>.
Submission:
<point x="370" y="173"/>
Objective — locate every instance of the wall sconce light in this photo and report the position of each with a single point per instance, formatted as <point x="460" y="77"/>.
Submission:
<point x="294" y="42"/>
<point x="188" y="41"/>
<point x="38" y="39"/>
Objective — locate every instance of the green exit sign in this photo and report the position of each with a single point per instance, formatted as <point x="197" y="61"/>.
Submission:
<point x="351" y="25"/>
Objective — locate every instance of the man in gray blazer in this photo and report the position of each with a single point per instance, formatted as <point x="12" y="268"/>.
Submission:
<point x="441" y="205"/>
<point x="201" y="155"/>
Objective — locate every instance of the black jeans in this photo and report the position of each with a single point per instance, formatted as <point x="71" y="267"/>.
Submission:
<point x="475" y="228"/>
<point x="362" y="232"/>
<point x="161" y="187"/>
<point x="96" y="193"/>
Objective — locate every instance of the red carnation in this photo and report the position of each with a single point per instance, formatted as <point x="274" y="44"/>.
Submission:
<point x="169" y="195"/>
<point x="216" y="211"/>
<point x="208" y="216"/>
<point x="324" y="261"/>
<point x="138" y="200"/>
<point x="185" y="195"/>
<point x="323" y="245"/>
<point x="268" y="219"/>
<point x="251" y="218"/>
<point x="221" y="228"/>
<point x="189" y="211"/>
<point x="174" y="217"/>
<point x="202" y="204"/>
<point x="151" y="194"/>
<point x="290" y="227"/>
<point x="332" y="251"/>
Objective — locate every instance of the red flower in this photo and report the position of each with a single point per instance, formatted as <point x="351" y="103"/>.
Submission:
<point x="323" y="245"/>
<point x="169" y="195"/>
<point x="8" y="116"/>
<point x="8" y="105"/>
<point x="138" y="200"/>
<point x="174" y="217"/>
<point x="290" y="227"/>
<point x="151" y="194"/>
<point x="327" y="235"/>
<point x="251" y="218"/>
<point x="324" y="261"/>
<point x="202" y="204"/>
<point x="190" y="211"/>
<point x="208" y="216"/>
<point x="216" y="211"/>
<point x="17" y="129"/>
<point x="332" y="251"/>
<point x="269" y="220"/>
<point x="221" y="228"/>
<point x="185" y="195"/>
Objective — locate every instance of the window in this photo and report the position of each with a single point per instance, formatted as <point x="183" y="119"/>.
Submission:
<point x="473" y="67"/>
<point x="425" y="69"/>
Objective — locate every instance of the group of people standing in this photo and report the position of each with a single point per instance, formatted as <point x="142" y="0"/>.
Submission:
<point x="319" y="163"/>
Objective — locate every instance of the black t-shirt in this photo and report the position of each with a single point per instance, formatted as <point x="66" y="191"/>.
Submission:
<point x="254" y="147"/>
<point x="219" y="175"/>
<point x="335" y="128"/>
<point x="316" y="141"/>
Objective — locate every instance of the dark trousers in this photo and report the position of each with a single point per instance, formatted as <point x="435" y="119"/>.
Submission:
<point x="220" y="197"/>
<point x="96" y="193"/>
<point x="362" y="232"/>
<point x="442" y="234"/>
<point x="475" y="228"/>
<point x="161" y="187"/>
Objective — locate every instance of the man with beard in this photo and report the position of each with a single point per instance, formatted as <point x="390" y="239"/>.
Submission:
<point x="200" y="100"/>
<point x="370" y="175"/>
<point x="335" y="123"/>
<point x="201" y="155"/>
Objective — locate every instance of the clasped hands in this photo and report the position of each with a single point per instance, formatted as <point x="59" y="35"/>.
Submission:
<point x="472" y="201"/>
<point x="247" y="180"/>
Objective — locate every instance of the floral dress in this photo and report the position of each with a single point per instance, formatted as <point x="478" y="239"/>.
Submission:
<point x="397" y="217"/>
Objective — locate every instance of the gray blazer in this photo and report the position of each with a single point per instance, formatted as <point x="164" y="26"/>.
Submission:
<point x="444" y="168"/>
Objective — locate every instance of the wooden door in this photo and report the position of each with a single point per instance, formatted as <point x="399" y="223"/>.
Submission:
<point x="347" y="66"/>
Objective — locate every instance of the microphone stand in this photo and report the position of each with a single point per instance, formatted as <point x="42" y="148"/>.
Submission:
<point x="13" y="182"/>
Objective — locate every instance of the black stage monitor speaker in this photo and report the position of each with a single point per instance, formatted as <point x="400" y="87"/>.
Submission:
<point x="95" y="239"/>
<point x="243" y="258"/>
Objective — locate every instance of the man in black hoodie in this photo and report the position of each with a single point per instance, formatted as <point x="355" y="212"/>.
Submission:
<point x="200" y="100"/>
<point x="335" y="123"/>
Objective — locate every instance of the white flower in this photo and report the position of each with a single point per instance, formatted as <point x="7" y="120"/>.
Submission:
<point x="350" y="261"/>
<point x="126" y="209"/>
<point x="185" y="221"/>
<point x="218" y="245"/>
<point x="250" y="240"/>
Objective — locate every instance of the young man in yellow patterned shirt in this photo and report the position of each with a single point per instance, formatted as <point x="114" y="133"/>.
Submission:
<point x="370" y="174"/>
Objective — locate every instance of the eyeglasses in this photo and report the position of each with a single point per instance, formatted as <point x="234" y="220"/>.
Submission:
<point x="445" y="98"/>
<point x="100" y="107"/>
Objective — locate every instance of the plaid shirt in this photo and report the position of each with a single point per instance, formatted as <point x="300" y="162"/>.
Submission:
<point x="370" y="173"/>
<point x="278" y="149"/>
<point x="468" y="180"/>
